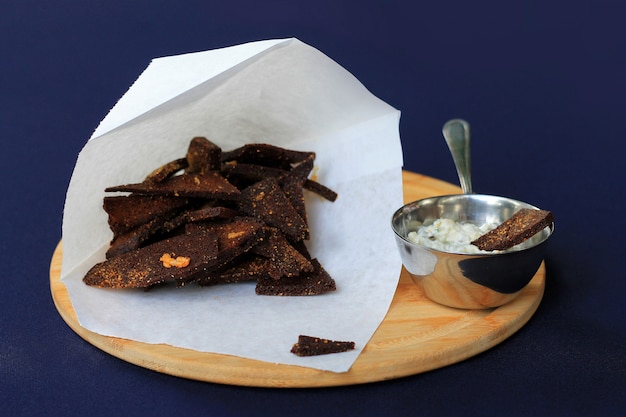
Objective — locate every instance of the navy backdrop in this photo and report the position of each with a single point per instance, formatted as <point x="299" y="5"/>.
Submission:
<point x="543" y="84"/>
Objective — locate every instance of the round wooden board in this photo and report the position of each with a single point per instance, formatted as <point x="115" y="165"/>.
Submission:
<point x="416" y="335"/>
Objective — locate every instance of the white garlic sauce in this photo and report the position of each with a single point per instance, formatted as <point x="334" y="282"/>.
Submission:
<point x="450" y="236"/>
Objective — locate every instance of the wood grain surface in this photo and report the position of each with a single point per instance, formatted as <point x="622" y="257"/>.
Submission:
<point x="416" y="335"/>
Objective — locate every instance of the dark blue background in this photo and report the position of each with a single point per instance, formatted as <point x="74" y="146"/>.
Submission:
<point x="542" y="84"/>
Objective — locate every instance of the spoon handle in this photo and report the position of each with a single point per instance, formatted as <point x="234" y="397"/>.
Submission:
<point x="457" y="135"/>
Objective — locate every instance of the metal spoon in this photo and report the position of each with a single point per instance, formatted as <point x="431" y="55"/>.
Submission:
<point x="457" y="135"/>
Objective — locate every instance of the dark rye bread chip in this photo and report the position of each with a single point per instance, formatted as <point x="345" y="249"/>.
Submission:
<point x="167" y="170"/>
<point x="267" y="201"/>
<point x="320" y="190"/>
<point x="203" y="156"/>
<point x="238" y="232"/>
<point x="209" y="247"/>
<point x="310" y="283"/>
<point x="210" y="185"/>
<point x="198" y="215"/>
<point x="266" y="154"/>
<point x="235" y="237"/>
<point x="521" y="226"/>
<point x="249" y="267"/>
<point x="291" y="182"/>
<point x="144" y="267"/>
<point x="300" y="246"/>
<point x="162" y="226"/>
<point x="284" y="259"/>
<point x="209" y="213"/>
<point x="244" y="173"/>
<point x="127" y="212"/>
<point x="313" y="346"/>
<point x="292" y="185"/>
<point x="134" y="238"/>
<point x="254" y="162"/>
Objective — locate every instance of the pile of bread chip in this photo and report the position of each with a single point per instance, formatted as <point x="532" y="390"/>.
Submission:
<point x="216" y="217"/>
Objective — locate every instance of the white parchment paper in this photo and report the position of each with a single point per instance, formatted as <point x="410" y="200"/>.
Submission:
<point x="282" y="92"/>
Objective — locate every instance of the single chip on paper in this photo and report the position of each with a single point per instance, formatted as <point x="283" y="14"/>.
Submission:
<point x="314" y="346"/>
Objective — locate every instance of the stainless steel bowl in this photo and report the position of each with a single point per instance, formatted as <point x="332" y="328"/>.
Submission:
<point x="471" y="281"/>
